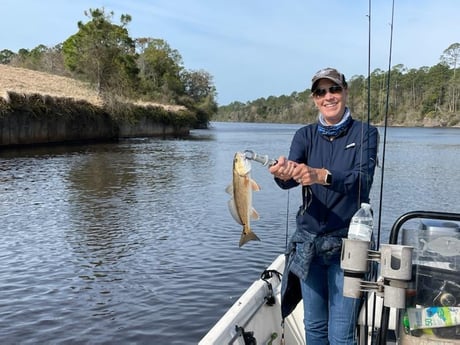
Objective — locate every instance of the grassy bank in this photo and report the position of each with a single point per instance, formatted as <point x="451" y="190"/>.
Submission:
<point x="48" y="96"/>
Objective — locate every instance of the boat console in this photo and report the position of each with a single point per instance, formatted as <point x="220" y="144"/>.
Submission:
<point x="432" y="305"/>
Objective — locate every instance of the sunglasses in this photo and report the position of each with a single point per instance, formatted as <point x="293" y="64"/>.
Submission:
<point x="322" y="92"/>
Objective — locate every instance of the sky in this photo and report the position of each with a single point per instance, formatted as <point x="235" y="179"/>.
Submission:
<point x="257" y="48"/>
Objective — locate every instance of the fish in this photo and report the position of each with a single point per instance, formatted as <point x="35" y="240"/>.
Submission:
<point x="240" y="204"/>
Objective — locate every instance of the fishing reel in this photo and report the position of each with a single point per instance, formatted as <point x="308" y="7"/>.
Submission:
<point x="436" y="289"/>
<point x="448" y="296"/>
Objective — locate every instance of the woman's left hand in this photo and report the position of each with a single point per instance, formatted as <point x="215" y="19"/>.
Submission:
<point x="305" y="175"/>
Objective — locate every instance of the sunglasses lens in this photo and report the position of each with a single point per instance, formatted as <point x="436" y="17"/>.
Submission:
<point x="335" y="89"/>
<point x="332" y="89"/>
<point x="320" y="92"/>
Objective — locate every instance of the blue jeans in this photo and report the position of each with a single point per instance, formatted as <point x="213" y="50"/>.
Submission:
<point x="329" y="317"/>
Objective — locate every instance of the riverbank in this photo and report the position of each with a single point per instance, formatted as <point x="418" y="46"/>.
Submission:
<point x="38" y="108"/>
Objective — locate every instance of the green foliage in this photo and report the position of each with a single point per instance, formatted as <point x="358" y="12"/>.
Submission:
<point x="103" y="53"/>
<point x="40" y="58"/>
<point x="451" y="56"/>
<point x="131" y="113"/>
<point x="149" y="69"/>
<point x="5" y="107"/>
<point x="198" y="85"/>
<point x="429" y="93"/>
<point x="5" y="56"/>
<point x="121" y="67"/>
<point x="199" y="93"/>
<point x="159" y="70"/>
<point x="48" y="107"/>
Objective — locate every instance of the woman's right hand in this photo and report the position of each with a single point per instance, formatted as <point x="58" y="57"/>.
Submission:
<point x="283" y="169"/>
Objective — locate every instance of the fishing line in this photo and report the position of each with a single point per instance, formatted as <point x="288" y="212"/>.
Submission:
<point x="287" y="223"/>
<point x="369" y="50"/>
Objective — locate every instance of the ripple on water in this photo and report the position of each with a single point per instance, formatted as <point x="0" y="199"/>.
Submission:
<point x="133" y="243"/>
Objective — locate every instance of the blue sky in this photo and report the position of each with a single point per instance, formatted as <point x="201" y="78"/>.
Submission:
<point x="257" y="48"/>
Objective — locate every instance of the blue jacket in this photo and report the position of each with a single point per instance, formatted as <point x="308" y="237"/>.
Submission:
<point x="324" y="217"/>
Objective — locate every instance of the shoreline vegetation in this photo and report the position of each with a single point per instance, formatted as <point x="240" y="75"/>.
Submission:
<point x="102" y="84"/>
<point x="405" y="97"/>
<point x="38" y="107"/>
<point x="51" y="95"/>
<point x="427" y="97"/>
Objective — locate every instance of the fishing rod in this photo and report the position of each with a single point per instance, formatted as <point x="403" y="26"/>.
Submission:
<point x="387" y="101"/>
<point x="373" y="273"/>
<point x="385" y="316"/>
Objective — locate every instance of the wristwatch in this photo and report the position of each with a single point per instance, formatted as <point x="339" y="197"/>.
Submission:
<point x="328" y="178"/>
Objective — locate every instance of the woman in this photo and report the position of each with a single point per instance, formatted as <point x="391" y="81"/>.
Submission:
<point x="334" y="161"/>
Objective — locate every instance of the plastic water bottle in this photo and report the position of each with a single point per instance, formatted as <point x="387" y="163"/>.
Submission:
<point x="361" y="224"/>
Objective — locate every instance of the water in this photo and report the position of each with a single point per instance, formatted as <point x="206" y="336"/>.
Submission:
<point x="132" y="242"/>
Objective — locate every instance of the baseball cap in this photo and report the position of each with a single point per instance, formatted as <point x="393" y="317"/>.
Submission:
<point x="328" y="73"/>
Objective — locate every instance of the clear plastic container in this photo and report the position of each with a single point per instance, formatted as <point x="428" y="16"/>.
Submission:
<point x="361" y="224"/>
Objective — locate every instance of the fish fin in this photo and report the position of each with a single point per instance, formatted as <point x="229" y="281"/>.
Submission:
<point x="247" y="235"/>
<point x="229" y="189"/>
<point x="233" y="211"/>
<point x="254" y="185"/>
<point x="254" y="214"/>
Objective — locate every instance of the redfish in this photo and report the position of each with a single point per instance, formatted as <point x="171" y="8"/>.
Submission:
<point x="241" y="188"/>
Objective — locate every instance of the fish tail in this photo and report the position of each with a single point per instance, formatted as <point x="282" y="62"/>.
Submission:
<point x="247" y="235"/>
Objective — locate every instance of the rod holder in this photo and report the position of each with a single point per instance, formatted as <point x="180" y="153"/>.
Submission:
<point x="354" y="256"/>
<point x="394" y="296"/>
<point x="395" y="269"/>
<point x="396" y="261"/>
<point x="352" y="286"/>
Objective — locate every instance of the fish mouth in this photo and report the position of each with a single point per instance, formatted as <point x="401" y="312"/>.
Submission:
<point x="242" y="165"/>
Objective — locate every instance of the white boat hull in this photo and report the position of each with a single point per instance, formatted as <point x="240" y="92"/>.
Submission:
<point x="251" y="313"/>
<point x="435" y="273"/>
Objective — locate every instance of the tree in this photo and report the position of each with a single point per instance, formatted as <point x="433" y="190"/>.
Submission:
<point x="198" y="84"/>
<point x="160" y="68"/>
<point x="356" y="87"/>
<point x="199" y="93"/>
<point x="20" y="59"/>
<point x="52" y="60"/>
<point x="103" y="52"/>
<point x="40" y="58"/>
<point x="451" y="56"/>
<point x="5" y="56"/>
<point x="436" y="91"/>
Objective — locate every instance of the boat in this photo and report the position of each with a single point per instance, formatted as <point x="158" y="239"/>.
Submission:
<point x="412" y="296"/>
<point x="433" y="267"/>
